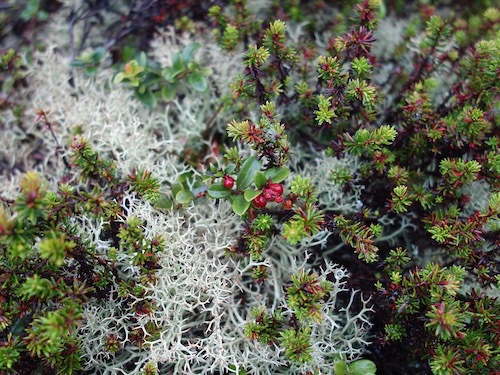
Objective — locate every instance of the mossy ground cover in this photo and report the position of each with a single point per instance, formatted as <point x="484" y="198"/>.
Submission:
<point x="254" y="187"/>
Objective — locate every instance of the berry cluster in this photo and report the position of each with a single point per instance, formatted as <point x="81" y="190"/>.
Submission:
<point x="272" y="192"/>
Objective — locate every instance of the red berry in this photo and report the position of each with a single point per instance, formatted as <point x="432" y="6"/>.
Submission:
<point x="228" y="182"/>
<point x="260" y="201"/>
<point x="279" y="199"/>
<point x="268" y="195"/>
<point x="276" y="188"/>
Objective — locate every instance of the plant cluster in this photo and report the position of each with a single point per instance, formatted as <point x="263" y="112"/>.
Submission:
<point x="459" y="329"/>
<point x="152" y="82"/>
<point x="50" y="269"/>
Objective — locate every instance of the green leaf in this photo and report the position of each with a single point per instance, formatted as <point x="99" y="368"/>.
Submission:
<point x="78" y="64"/>
<point x="340" y="367"/>
<point x="147" y="98"/>
<point x="118" y="78"/>
<point x="382" y="10"/>
<point x="168" y="91"/>
<point x="42" y="15"/>
<point x="205" y="71"/>
<point x="240" y="205"/>
<point x="197" y="82"/>
<point x="362" y="367"/>
<point x="164" y="203"/>
<point x="260" y="180"/>
<point x="151" y="79"/>
<point x="184" y="197"/>
<point x="154" y="67"/>
<point x="168" y="74"/>
<point x="241" y="371"/>
<point x="218" y="191"/>
<point x="277" y="175"/>
<point x="90" y="70"/>
<point x="127" y="53"/>
<point x="177" y="65"/>
<point x="133" y="68"/>
<point x="189" y="52"/>
<point x="143" y="59"/>
<point x="250" y="195"/>
<point x="247" y="172"/>
<point x="230" y="169"/>
<point x="98" y="54"/>
<point x="186" y="177"/>
<point x="30" y="10"/>
<point x="176" y="188"/>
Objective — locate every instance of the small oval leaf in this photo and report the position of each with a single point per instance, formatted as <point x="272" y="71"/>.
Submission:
<point x="247" y="172"/>
<point x="176" y="188"/>
<point x="362" y="367"/>
<point x="164" y="203"/>
<point x="197" y="82"/>
<point x="168" y="74"/>
<point x="177" y="65"/>
<point x="78" y="64"/>
<point x="340" y="367"/>
<point x="184" y="197"/>
<point x="147" y="98"/>
<point x="260" y="180"/>
<point x="90" y="70"/>
<point x="98" y="54"/>
<point x="218" y="191"/>
<point x="230" y="169"/>
<point x="168" y="91"/>
<point x="250" y="195"/>
<point x="142" y="59"/>
<point x="189" y="51"/>
<point x="240" y="205"/>
<point x="277" y="175"/>
<point x="118" y="78"/>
